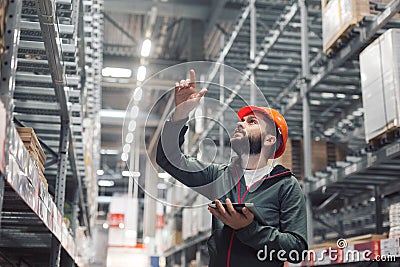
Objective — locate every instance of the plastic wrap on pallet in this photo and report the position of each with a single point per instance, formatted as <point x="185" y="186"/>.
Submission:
<point x="3" y="134"/>
<point x="338" y="16"/>
<point x="380" y="83"/>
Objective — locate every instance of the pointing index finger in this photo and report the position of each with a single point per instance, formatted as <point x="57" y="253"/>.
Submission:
<point x="192" y="78"/>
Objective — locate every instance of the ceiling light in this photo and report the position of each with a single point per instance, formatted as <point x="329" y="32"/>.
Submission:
<point x="141" y="74"/>
<point x="121" y="225"/>
<point x="116" y="72"/>
<point x="355" y="96"/>
<point x="109" y="152"/>
<point x="105" y="225"/>
<point x="100" y="172"/>
<point x="263" y="67"/>
<point x="132" y="125"/>
<point x="137" y="94"/>
<point x="315" y="102"/>
<point x="111" y="113"/>
<point x="134" y="174"/>
<point x="105" y="183"/>
<point x="161" y="186"/>
<point x="146" y="47"/>
<point x="163" y="175"/>
<point x="327" y="95"/>
<point x="124" y="157"/>
<point x="340" y="95"/>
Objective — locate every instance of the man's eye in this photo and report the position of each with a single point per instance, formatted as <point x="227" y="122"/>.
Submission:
<point x="253" y="121"/>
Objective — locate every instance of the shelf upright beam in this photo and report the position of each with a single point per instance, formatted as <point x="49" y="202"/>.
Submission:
<point x="305" y="66"/>
<point x="8" y="73"/>
<point x="47" y="19"/>
<point x="354" y="46"/>
<point x="378" y="210"/>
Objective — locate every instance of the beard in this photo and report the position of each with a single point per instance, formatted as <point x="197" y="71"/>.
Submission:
<point x="250" y="145"/>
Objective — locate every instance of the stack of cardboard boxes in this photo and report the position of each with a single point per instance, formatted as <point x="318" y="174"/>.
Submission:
<point x="34" y="148"/>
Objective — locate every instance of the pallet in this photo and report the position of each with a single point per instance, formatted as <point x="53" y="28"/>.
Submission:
<point x="392" y="133"/>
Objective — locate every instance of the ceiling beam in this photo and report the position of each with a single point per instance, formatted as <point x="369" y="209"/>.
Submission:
<point x="191" y="10"/>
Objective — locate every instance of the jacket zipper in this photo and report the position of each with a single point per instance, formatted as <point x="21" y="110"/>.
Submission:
<point x="240" y="200"/>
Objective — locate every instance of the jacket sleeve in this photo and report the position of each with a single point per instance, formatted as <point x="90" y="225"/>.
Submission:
<point x="188" y="170"/>
<point x="292" y="235"/>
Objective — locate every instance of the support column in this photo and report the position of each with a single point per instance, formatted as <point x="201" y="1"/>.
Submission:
<point x="8" y="70"/>
<point x="196" y="40"/>
<point x="60" y="187"/>
<point x="378" y="211"/>
<point x="305" y="65"/>
<point x="149" y="222"/>
<point x="253" y="40"/>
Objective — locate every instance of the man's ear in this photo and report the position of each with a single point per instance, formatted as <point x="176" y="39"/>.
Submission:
<point x="269" y="140"/>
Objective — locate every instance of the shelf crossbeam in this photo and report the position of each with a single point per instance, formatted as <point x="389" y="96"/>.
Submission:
<point x="366" y="34"/>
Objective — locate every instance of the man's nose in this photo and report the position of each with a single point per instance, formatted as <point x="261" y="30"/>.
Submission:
<point x="240" y="124"/>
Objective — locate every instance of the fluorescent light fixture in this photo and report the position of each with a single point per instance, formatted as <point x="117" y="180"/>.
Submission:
<point x="315" y="102"/>
<point x="124" y="157"/>
<point x="357" y="113"/>
<point x="134" y="112"/>
<point x="141" y="74"/>
<point x="134" y="174"/>
<point x="126" y="148"/>
<point x="100" y="172"/>
<point x="112" y="113"/>
<point x="137" y="94"/>
<point x="263" y="67"/>
<point x="161" y="186"/>
<point x="103" y="199"/>
<point x="132" y="125"/>
<point x="116" y="72"/>
<point x="355" y="96"/>
<point x="340" y="95"/>
<point x="327" y="95"/>
<point x="146" y="47"/>
<point x="105" y="225"/>
<point x="129" y="138"/>
<point x="163" y="175"/>
<point x="105" y="183"/>
<point x="109" y="152"/>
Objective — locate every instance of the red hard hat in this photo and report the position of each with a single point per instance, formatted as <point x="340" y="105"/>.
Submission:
<point x="278" y="119"/>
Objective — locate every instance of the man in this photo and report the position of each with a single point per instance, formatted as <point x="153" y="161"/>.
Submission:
<point x="238" y="238"/>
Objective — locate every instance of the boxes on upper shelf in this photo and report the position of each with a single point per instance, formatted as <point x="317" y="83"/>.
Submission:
<point x="338" y="18"/>
<point x="380" y="83"/>
<point x="32" y="144"/>
<point x="322" y="153"/>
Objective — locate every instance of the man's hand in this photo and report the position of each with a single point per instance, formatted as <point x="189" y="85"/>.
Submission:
<point x="186" y="97"/>
<point x="230" y="216"/>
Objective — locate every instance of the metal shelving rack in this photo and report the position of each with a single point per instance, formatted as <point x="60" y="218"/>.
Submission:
<point x="367" y="179"/>
<point x="43" y="81"/>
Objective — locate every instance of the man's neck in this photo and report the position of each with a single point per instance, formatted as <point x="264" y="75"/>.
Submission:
<point x="253" y="162"/>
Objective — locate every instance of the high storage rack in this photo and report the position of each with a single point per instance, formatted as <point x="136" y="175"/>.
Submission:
<point x="347" y="198"/>
<point x="43" y="86"/>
